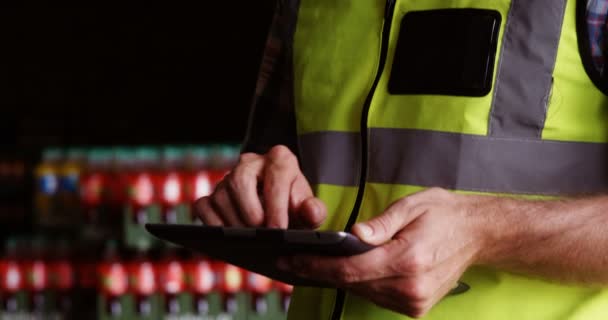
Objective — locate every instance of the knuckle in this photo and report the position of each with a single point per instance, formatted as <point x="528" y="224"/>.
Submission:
<point x="417" y="261"/>
<point x="248" y="157"/>
<point x="281" y="154"/>
<point x="420" y="262"/>
<point x="416" y="291"/>
<point x="346" y="274"/>
<point x="384" y="253"/>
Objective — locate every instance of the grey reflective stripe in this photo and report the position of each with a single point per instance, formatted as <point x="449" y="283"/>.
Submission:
<point x="462" y="162"/>
<point x="525" y="70"/>
<point x="331" y="157"/>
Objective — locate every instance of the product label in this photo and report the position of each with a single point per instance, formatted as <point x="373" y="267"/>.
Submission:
<point x="10" y="277"/>
<point x="233" y="279"/>
<point x="144" y="280"/>
<point x="114" y="279"/>
<point x="202" y="277"/>
<point x="202" y="186"/>
<point x="48" y="183"/>
<point x="142" y="190"/>
<point x="172" y="189"/>
<point x="173" y="276"/>
<point x="37" y="276"/>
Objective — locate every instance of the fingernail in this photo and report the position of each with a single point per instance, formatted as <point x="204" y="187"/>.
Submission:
<point x="315" y="209"/>
<point x="365" y="230"/>
<point x="315" y="214"/>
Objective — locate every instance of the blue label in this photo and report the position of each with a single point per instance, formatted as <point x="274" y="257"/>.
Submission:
<point x="69" y="183"/>
<point x="48" y="184"/>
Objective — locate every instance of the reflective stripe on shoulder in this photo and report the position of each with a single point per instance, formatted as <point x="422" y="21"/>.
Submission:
<point x="525" y="69"/>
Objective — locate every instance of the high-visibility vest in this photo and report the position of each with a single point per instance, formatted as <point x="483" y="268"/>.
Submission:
<point x="540" y="131"/>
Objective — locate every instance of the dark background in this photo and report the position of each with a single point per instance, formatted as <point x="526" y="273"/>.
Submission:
<point x="140" y="75"/>
<point x="83" y="76"/>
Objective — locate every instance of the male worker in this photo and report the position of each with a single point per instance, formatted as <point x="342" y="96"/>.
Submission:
<point x="466" y="138"/>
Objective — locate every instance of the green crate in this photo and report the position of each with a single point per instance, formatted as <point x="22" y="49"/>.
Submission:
<point x="135" y="235"/>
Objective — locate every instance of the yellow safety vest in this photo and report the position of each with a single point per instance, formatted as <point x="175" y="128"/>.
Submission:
<point x="540" y="131"/>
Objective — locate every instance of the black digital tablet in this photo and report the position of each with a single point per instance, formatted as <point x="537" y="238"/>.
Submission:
<point x="257" y="249"/>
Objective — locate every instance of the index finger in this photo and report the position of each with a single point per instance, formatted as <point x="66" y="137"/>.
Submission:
<point x="279" y="175"/>
<point x="243" y="189"/>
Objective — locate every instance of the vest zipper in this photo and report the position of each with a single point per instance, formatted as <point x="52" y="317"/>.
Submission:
<point x="386" y="31"/>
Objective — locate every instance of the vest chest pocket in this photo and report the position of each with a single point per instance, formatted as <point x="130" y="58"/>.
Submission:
<point x="446" y="52"/>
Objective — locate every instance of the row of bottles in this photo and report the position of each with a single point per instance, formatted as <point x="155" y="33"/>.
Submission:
<point x="104" y="196"/>
<point x="43" y="279"/>
<point x="29" y="271"/>
<point x="98" y="185"/>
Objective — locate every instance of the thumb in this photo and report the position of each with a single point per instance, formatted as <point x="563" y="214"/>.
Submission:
<point x="384" y="227"/>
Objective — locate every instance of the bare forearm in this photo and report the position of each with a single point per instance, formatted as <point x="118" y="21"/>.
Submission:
<point x="561" y="240"/>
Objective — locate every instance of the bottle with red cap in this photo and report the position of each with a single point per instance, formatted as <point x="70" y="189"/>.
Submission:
<point x="141" y="190"/>
<point x="12" y="278"/>
<point x="143" y="283"/>
<point x="201" y="284"/>
<point x="231" y="284"/>
<point x="197" y="177"/>
<point x="113" y="281"/>
<point x="171" y="186"/>
<point x="138" y="201"/>
<point x="93" y="184"/>
<point x="172" y="282"/>
<point x="115" y="195"/>
<point x="37" y="277"/>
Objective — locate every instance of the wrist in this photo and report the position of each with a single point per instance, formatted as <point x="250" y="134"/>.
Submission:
<point x="498" y="228"/>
